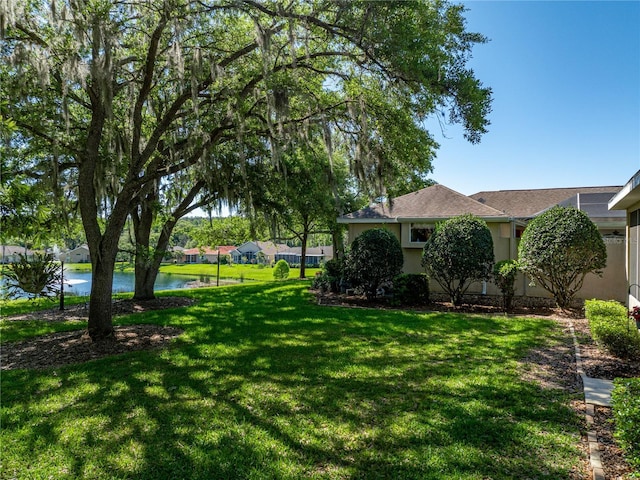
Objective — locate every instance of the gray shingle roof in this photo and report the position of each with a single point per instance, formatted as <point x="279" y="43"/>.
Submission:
<point x="528" y="203"/>
<point x="432" y="202"/>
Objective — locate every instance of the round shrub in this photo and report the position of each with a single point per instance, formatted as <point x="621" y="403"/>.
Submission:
<point x="459" y="253"/>
<point x="281" y="270"/>
<point x="375" y="258"/>
<point x="558" y="249"/>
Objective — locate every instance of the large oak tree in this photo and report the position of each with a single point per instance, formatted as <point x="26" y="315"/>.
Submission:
<point x="135" y="92"/>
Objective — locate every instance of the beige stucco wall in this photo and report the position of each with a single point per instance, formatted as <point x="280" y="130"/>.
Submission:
<point x="611" y="286"/>
<point x="503" y="245"/>
<point x="356" y="229"/>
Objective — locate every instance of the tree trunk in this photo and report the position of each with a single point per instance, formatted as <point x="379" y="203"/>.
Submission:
<point x="143" y="216"/>
<point x="148" y="262"/>
<point x="100" y="324"/>
<point x="338" y="242"/>
<point x="103" y="244"/>
<point x="303" y="253"/>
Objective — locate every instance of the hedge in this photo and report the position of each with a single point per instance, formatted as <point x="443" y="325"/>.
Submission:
<point x="625" y="404"/>
<point x="612" y="329"/>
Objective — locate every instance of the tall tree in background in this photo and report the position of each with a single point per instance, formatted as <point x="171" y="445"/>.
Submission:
<point x="135" y="92"/>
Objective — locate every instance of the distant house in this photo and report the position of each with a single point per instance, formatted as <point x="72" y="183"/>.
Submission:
<point x="175" y="254"/>
<point x="627" y="200"/>
<point x="315" y="256"/>
<point x="78" y="255"/>
<point x="205" y="254"/>
<point x="412" y="218"/>
<point x="200" y="255"/>
<point x="257" y="252"/>
<point x="11" y="253"/>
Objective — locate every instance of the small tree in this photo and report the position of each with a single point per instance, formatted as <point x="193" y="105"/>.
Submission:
<point x="558" y="249"/>
<point x="459" y="253"/>
<point x="38" y="276"/>
<point x="281" y="270"/>
<point x="375" y="258"/>
<point x="504" y="274"/>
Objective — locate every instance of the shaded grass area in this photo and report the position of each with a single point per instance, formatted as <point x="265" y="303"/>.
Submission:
<point x="265" y="384"/>
<point x="24" y="305"/>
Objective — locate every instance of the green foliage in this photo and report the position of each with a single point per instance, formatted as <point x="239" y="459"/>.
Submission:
<point x="504" y="276"/>
<point x="625" y="404"/>
<point x="459" y="253"/>
<point x="411" y="289"/>
<point x="612" y="329"/>
<point x="38" y="276"/>
<point x="330" y="277"/>
<point x="143" y="103"/>
<point x="281" y="270"/>
<point x="558" y="249"/>
<point x="375" y="258"/>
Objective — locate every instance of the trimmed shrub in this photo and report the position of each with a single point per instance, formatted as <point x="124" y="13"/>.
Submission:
<point x="558" y="249"/>
<point x="459" y="253"/>
<point x="504" y="275"/>
<point x="411" y="289"/>
<point x="375" y="258"/>
<point x="625" y="404"/>
<point x="281" y="270"/>
<point x="612" y="329"/>
<point x="329" y="278"/>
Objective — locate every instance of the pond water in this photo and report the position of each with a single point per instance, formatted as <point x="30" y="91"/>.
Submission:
<point x="79" y="283"/>
<point x="124" y="282"/>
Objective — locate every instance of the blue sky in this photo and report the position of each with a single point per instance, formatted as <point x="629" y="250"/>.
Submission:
<point x="566" y="86"/>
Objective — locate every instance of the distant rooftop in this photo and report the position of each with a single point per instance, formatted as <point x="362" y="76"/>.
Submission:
<point x="432" y="202"/>
<point x="529" y="203"/>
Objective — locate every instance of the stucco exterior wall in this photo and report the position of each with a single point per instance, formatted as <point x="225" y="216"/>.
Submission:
<point x="611" y="286"/>
<point x="503" y="243"/>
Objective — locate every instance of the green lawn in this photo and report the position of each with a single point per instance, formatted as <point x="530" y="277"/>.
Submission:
<point x="264" y="384"/>
<point x="248" y="272"/>
<point x="235" y="271"/>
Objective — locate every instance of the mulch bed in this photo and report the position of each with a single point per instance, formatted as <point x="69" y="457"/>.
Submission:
<point x="65" y="348"/>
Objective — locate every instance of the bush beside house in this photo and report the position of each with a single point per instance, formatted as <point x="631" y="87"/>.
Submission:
<point x="459" y="253"/>
<point x="558" y="249"/>
<point x="375" y="258"/>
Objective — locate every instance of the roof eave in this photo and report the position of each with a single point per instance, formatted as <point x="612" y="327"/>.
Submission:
<point x="628" y="195"/>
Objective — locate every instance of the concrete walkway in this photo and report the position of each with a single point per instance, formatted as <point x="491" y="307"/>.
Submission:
<point x="597" y="391"/>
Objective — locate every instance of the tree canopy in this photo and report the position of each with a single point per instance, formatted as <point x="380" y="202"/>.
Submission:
<point x="128" y="95"/>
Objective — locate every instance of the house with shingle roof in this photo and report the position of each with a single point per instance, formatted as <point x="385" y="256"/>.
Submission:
<point x="412" y="218"/>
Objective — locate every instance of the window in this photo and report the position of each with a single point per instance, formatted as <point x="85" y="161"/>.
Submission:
<point x="420" y="232"/>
